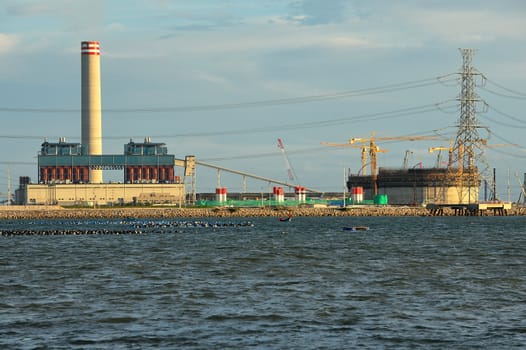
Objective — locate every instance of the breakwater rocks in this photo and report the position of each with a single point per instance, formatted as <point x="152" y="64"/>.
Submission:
<point x="68" y="232"/>
<point x="56" y="212"/>
<point x="135" y="226"/>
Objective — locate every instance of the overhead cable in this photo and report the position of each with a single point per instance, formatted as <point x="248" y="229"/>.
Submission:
<point x="506" y="114"/>
<point x="263" y="103"/>
<point x="306" y="125"/>
<point x="515" y="92"/>
<point x="503" y="95"/>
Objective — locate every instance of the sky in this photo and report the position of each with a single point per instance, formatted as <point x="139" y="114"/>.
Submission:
<point x="224" y="79"/>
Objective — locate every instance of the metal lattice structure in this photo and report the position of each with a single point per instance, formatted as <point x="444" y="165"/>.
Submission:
<point x="468" y="164"/>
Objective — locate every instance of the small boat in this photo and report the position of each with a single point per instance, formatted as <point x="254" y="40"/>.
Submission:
<point x="286" y="218"/>
<point x="356" y="228"/>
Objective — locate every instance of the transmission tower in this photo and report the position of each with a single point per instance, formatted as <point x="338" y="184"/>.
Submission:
<point x="468" y="149"/>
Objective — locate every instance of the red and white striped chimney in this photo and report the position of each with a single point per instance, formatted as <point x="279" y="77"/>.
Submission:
<point x="91" y="114"/>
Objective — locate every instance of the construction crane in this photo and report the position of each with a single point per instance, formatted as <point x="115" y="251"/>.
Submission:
<point x="371" y="141"/>
<point x="405" y="164"/>
<point x="290" y="171"/>
<point x="439" y="156"/>
<point x="450" y="151"/>
<point x="364" y="148"/>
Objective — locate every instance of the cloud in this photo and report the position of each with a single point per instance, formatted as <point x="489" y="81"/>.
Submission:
<point x="469" y="25"/>
<point x="75" y="15"/>
<point x="446" y="22"/>
<point x="27" y="9"/>
<point x="7" y="43"/>
<point x="313" y="12"/>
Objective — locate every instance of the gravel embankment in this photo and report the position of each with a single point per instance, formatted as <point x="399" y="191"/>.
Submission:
<point x="52" y="212"/>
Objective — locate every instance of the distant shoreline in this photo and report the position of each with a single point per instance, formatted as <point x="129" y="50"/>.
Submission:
<point x="57" y="212"/>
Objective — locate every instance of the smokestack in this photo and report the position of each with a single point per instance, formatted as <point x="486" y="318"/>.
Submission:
<point x="91" y="104"/>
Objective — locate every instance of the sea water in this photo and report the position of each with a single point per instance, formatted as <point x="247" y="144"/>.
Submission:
<point x="258" y="283"/>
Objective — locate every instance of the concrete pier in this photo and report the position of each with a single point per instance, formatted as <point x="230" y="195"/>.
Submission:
<point x="494" y="208"/>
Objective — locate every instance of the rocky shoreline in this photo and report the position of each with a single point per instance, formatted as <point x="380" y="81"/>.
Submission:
<point x="56" y="212"/>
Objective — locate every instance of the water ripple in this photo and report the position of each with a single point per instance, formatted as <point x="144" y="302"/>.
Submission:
<point x="410" y="282"/>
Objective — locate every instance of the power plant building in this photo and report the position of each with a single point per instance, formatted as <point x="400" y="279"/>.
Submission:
<point x="71" y="173"/>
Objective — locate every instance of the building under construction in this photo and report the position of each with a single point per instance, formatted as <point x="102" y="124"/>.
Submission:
<point x="455" y="186"/>
<point x="417" y="186"/>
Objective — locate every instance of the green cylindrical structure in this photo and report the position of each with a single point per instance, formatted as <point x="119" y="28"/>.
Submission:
<point x="380" y="199"/>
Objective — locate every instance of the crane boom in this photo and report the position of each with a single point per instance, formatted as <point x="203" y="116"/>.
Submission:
<point x="408" y="153"/>
<point x="290" y="171"/>
<point x="364" y="149"/>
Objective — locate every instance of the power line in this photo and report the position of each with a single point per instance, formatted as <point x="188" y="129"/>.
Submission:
<point x="265" y="155"/>
<point x="507" y="141"/>
<point x="18" y="163"/>
<point x="263" y="103"/>
<point x="503" y="95"/>
<point x="311" y="150"/>
<point x="503" y="123"/>
<point x="507" y="153"/>
<point x="505" y="88"/>
<point x="507" y="115"/>
<point x="306" y="125"/>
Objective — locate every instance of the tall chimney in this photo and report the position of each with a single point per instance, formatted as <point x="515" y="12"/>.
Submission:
<point x="91" y="104"/>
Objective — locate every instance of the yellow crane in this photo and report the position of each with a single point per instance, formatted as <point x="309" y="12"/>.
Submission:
<point x="461" y="151"/>
<point x="373" y="149"/>
<point x="439" y="157"/>
<point x="364" y="148"/>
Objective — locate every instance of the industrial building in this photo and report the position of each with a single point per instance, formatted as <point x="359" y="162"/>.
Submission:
<point x="418" y="186"/>
<point x="72" y="173"/>
<point x="455" y="186"/>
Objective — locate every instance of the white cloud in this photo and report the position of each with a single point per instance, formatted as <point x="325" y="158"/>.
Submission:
<point x="466" y="25"/>
<point x="73" y="16"/>
<point x="7" y="43"/>
<point x="315" y="12"/>
<point x="348" y="41"/>
<point x="277" y="37"/>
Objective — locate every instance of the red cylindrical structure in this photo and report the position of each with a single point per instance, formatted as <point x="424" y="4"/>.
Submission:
<point x="147" y="173"/>
<point x="279" y="194"/>
<point x="357" y="194"/>
<point x="221" y="194"/>
<point x="43" y="175"/>
<point x="85" y="174"/>
<point x="300" y="193"/>
<point x="131" y="173"/>
<point x="76" y="174"/>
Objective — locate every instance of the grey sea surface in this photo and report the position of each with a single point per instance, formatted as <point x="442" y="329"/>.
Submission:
<point x="408" y="282"/>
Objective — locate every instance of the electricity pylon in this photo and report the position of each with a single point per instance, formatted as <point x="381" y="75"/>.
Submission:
<point x="468" y="148"/>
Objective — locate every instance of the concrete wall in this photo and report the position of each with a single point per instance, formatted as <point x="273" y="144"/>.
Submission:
<point x="422" y="195"/>
<point x="452" y="195"/>
<point x="403" y="195"/>
<point x="100" y="194"/>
